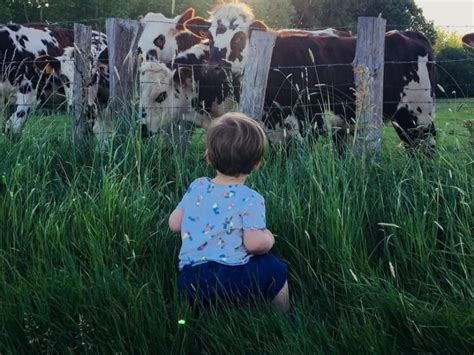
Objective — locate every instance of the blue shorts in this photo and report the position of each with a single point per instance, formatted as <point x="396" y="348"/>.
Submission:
<point x="263" y="276"/>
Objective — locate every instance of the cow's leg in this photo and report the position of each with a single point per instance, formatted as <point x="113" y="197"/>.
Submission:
<point x="3" y="108"/>
<point x="25" y="102"/>
<point x="7" y="97"/>
<point x="340" y="132"/>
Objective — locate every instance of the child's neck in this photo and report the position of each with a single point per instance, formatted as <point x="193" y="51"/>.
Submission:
<point x="229" y="180"/>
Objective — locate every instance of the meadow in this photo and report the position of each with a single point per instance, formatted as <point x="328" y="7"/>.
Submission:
<point x="381" y="256"/>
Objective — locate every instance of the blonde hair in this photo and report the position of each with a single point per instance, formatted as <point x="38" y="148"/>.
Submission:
<point x="235" y="144"/>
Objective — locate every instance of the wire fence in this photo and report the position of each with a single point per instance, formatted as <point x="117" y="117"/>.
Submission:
<point x="101" y="20"/>
<point x="309" y="66"/>
<point x="343" y="97"/>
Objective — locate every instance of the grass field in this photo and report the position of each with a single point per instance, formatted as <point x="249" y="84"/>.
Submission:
<point x="381" y="257"/>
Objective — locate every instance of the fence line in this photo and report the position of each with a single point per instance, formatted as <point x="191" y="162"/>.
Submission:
<point x="315" y="28"/>
<point x="435" y="62"/>
<point x="454" y="101"/>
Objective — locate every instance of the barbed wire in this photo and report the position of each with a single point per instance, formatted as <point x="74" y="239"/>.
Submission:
<point x="314" y="28"/>
<point x="206" y="65"/>
<point x="100" y="21"/>
<point x="324" y="102"/>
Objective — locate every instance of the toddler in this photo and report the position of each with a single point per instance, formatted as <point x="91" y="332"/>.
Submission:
<point x="225" y="243"/>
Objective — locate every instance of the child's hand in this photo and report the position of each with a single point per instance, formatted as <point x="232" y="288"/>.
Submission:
<point x="258" y="242"/>
<point x="175" y="220"/>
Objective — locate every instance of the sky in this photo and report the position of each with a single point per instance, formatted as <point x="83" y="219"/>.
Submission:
<point x="459" y="14"/>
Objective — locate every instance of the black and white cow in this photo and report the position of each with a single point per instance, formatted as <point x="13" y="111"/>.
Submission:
<point x="20" y="82"/>
<point x="62" y="69"/>
<point x="312" y="72"/>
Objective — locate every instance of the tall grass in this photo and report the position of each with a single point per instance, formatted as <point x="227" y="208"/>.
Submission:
<point x="381" y="257"/>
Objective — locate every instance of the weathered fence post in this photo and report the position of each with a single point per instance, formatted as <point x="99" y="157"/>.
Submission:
<point x="82" y="74"/>
<point x="123" y="37"/>
<point x="256" y="73"/>
<point x="368" y="72"/>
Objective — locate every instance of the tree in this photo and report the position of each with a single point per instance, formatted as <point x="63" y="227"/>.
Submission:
<point x="277" y="14"/>
<point x="455" y="66"/>
<point x="343" y="14"/>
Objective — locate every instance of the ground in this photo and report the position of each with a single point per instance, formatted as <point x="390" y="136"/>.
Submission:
<point x="380" y="257"/>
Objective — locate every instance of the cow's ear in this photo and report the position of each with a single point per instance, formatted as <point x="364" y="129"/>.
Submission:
<point x="187" y="15"/>
<point x="468" y="40"/>
<point x="198" y="26"/>
<point x="48" y="64"/>
<point x="140" y="18"/>
<point x="257" y="26"/>
<point x="183" y="76"/>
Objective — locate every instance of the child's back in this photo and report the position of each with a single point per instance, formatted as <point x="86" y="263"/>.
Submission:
<point x="214" y="219"/>
<point x="225" y="251"/>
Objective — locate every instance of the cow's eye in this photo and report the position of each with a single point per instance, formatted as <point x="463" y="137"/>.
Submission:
<point x="161" y="97"/>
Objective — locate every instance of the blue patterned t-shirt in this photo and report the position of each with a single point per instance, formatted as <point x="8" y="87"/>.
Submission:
<point x="214" y="219"/>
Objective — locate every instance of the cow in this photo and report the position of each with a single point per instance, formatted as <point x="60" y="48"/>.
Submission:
<point x="169" y="94"/>
<point x="310" y="73"/>
<point x="20" y="82"/>
<point x="62" y="69"/>
<point x="330" y="32"/>
<point x="163" y="38"/>
<point x="164" y="101"/>
<point x="468" y="40"/>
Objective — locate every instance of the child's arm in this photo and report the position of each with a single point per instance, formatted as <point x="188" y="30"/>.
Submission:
<point x="257" y="238"/>
<point x="258" y="241"/>
<point x="175" y="220"/>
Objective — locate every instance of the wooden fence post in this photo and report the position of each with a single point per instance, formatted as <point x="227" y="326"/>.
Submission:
<point x="368" y="73"/>
<point x="123" y="37"/>
<point x="256" y="72"/>
<point x="82" y="73"/>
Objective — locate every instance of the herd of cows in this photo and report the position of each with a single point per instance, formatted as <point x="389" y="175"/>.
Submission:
<point x="191" y="70"/>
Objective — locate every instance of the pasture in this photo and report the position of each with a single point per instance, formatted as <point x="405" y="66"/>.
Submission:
<point x="381" y="257"/>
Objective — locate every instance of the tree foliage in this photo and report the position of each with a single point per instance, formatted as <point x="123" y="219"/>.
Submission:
<point x="455" y="67"/>
<point x="400" y="14"/>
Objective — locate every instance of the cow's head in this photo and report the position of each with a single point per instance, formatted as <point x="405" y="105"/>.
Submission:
<point x="167" y="97"/>
<point x="228" y="30"/>
<point x="156" y="96"/>
<point x="468" y="40"/>
<point x="161" y="38"/>
<point x="61" y="68"/>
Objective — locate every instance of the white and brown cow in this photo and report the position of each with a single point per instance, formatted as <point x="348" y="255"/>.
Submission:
<point x="20" y="82"/>
<point x="312" y="72"/>
<point x="468" y="40"/>
<point x="162" y="101"/>
<point x="163" y="38"/>
<point x="169" y="94"/>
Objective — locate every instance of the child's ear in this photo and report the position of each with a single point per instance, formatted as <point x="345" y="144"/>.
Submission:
<point x="206" y="156"/>
<point x="257" y="165"/>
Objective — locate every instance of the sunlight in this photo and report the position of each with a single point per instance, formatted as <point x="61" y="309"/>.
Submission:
<point x="455" y="15"/>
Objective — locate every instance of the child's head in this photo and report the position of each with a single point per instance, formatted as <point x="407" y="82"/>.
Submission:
<point x="235" y="144"/>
